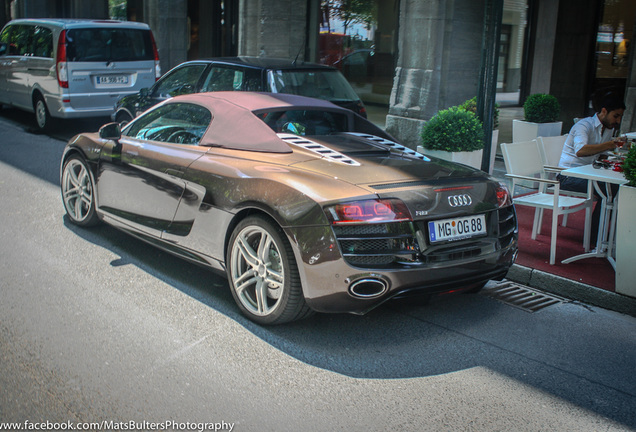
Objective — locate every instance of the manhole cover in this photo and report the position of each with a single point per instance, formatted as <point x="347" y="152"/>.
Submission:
<point x="521" y="296"/>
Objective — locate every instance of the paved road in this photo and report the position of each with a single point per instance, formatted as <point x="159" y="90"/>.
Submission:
<point x="97" y="326"/>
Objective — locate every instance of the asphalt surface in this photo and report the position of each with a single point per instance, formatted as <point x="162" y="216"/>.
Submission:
<point x="97" y="327"/>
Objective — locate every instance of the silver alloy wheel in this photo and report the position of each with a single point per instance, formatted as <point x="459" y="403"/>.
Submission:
<point x="77" y="191"/>
<point x="257" y="271"/>
<point x="41" y="114"/>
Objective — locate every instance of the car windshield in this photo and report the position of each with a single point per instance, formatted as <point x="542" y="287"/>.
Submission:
<point x="305" y="122"/>
<point x="179" y="123"/>
<point x="324" y="84"/>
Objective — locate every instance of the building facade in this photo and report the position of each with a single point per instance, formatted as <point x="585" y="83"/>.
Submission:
<point x="414" y="57"/>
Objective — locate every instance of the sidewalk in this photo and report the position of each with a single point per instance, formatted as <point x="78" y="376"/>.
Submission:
<point x="546" y="279"/>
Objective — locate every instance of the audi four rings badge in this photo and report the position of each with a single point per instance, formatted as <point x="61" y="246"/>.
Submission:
<point x="460" y="200"/>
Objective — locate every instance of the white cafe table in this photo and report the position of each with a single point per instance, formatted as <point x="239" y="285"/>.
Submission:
<point x="600" y="179"/>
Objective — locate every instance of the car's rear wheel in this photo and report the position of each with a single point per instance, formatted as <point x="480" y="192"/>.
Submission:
<point x="78" y="192"/>
<point x="263" y="274"/>
<point x="42" y="115"/>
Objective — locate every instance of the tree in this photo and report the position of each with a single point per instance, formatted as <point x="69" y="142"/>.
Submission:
<point x="351" y="11"/>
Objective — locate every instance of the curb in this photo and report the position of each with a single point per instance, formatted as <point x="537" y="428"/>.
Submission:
<point x="572" y="290"/>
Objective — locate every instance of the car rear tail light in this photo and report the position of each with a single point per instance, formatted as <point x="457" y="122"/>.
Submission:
<point x="368" y="211"/>
<point x="156" y="54"/>
<point x="362" y="110"/>
<point x="60" y="61"/>
<point x="503" y="196"/>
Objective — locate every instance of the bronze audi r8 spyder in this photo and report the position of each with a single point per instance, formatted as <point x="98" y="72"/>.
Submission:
<point x="304" y="205"/>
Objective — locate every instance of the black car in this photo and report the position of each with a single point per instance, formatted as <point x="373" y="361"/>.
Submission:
<point x="256" y="74"/>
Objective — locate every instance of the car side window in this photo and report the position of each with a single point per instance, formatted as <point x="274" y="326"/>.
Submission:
<point x="178" y="123"/>
<point x="18" y="39"/>
<point x="42" y="42"/>
<point x="223" y="79"/>
<point x="181" y="81"/>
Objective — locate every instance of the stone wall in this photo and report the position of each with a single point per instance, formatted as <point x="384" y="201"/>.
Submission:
<point x="272" y="28"/>
<point x="168" y="21"/>
<point x="438" y="62"/>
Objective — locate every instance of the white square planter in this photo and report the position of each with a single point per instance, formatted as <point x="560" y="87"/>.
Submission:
<point x="626" y="242"/>
<point x="526" y="131"/>
<point x="472" y="158"/>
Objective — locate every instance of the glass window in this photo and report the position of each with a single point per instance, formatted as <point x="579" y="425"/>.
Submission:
<point x="107" y="44"/>
<point x="305" y="122"/>
<point x="180" y="81"/>
<point x="178" y="123"/>
<point x="18" y="38"/>
<point x="322" y="84"/>
<point x="360" y="40"/>
<point x="42" y="42"/>
<point x="615" y="32"/>
<point x="223" y="79"/>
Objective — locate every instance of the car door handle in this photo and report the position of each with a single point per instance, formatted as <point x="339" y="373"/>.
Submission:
<point x="175" y="172"/>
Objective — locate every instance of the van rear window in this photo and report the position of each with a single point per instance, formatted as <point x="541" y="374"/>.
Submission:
<point x="108" y="44"/>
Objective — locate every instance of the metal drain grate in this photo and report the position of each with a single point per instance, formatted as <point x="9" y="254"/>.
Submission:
<point x="521" y="296"/>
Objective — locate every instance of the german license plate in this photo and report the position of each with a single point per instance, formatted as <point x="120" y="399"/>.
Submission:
<point x="112" y="79"/>
<point x="456" y="228"/>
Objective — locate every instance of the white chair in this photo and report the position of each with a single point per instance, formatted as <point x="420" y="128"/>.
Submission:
<point x="524" y="162"/>
<point x="551" y="149"/>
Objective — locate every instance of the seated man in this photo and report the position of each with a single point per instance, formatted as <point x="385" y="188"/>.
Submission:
<point x="588" y="138"/>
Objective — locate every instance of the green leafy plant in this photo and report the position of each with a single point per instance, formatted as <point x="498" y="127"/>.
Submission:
<point x="541" y="108"/>
<point x="471" y="105"/>
<point x="453" y="130"/>
<point x="629" y="166"/>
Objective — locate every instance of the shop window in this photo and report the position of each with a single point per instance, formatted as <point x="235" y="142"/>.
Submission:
<point x="613" y="39"/>
<point x="359" y="38"/>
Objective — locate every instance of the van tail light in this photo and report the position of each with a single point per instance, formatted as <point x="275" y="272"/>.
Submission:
<point x="156" y="53"/>
<point x="368" y="211"/>
<point x="60" y="62"/>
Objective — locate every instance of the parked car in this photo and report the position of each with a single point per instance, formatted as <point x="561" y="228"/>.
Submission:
<point x="71" y="68"/>
<point x="244" y="74"/>
<point x="358" y="65"/>
<point x="303" y="204"/>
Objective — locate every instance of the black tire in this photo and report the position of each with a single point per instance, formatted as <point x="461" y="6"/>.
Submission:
<point x="262" y="273"/>
<point x="42" y="115"/>
<point x="78" y="192"/>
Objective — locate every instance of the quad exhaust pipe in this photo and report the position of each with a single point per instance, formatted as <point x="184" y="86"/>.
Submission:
<point x="368" y="288"/>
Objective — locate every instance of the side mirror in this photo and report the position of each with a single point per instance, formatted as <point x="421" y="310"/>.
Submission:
<point x="3" y="49"/>
<point x="144" y="92"/>
<point x="110" y="131"/>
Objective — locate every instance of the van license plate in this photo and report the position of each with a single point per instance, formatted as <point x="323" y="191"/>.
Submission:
<point x="456" y="228"/>
<point x="112" y="79"/>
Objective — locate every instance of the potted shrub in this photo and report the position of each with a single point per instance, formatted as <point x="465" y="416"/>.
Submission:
<point x="626" y="229"/>
<point x="541" y="114"/>
<point x="471" y="105"/>
<point x="454" y="134"/>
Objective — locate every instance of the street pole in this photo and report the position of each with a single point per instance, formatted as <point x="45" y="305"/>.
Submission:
<point x="493" y="15"/>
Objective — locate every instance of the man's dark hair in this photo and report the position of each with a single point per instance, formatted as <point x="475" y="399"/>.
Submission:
<point x="611" y="102"/>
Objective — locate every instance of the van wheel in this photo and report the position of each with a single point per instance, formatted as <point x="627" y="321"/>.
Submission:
<point x="42" y="116"/>
<point x="123" y="118"/>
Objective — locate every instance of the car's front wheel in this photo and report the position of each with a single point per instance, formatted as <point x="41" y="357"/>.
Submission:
<point x="78" y="192"/>
<point x="263" y="274"/>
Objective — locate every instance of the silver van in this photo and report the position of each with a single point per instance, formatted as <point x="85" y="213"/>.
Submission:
<point x="71" y="68"/>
